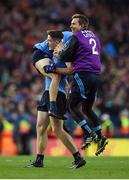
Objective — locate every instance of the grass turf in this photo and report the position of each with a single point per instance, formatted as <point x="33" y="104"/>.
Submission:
<point x="58" y="168"/>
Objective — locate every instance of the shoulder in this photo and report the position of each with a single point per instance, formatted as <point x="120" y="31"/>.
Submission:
<point x="67" y="35"/>
<point x="73" y="39"/>
<point x="43" y="44"/>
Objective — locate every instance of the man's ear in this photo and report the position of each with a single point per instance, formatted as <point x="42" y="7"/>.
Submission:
<point x="82" y="26"/>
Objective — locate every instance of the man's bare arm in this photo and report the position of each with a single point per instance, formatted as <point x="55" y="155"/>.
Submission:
<point x="40" y="64"/>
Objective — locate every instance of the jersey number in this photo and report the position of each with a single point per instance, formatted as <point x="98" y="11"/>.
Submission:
<point x="93" y="43"/>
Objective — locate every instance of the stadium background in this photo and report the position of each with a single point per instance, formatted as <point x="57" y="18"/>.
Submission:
<point x="23" y="23"/>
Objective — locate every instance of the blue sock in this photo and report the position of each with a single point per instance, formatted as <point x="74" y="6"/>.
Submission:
<point x="84" y="125"/>
<point x="39" y="157"/>
<point x="76" y="155"/>
<point x="98" y="131"/>
<point x="53" y="106"/>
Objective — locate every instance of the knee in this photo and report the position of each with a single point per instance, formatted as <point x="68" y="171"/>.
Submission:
<point x="57" y="131"/>
<point x="40" y="128"/>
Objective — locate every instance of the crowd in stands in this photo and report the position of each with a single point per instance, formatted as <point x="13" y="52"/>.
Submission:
<point x="25" y="22"/>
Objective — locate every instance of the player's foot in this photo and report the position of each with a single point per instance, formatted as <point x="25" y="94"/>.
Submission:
<point x="56" y="115"/>
<point x="78" y="163"/>
<point x="88" y="140"/>
<point x="37" y="164"/>
<point x="101" y="145"/>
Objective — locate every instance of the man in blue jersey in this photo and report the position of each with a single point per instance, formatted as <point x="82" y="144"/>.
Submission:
<point x="53" y="89"/>
<point x="41" y="56"/>
<point x="82" y="57"/>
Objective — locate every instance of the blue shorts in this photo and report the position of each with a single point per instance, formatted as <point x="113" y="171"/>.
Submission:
<point x="61" y="102"/>
<point x="85" y="86"/>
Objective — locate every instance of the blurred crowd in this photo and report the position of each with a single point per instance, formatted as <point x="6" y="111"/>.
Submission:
<point x="25" y="22"/>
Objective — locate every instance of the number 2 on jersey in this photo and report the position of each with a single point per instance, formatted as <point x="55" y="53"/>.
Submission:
<point x="93" y="43"/>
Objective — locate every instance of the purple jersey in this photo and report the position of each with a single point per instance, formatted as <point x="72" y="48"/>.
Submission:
<point x="87" y="56"/>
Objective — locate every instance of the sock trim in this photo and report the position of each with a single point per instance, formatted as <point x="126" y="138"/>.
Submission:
<point x="83" y="122"/>
<point x="97" y="128"/>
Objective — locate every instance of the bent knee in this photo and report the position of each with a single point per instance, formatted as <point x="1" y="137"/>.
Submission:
<point x="57" y="131"/>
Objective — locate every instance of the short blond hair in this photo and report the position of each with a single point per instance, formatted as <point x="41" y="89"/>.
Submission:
<point x="83" y="20"/>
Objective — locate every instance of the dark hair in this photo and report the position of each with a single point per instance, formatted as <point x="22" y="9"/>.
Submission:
<point x="83" y="20"/>
<point x="55" y="34"/>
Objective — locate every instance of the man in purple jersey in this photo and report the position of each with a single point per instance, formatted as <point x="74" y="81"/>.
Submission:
<point x="82" y="57"/>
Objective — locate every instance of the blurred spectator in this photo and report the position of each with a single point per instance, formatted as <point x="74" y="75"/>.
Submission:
<point x="107" y="125"/>
<point x="1" y="129"/>
<point x="124" y="120"/>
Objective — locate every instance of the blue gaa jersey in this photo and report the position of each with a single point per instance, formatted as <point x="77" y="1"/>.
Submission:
<point x="43" y="46"/>
<point x="62" y="84"/>
<point x="67" y="35"/>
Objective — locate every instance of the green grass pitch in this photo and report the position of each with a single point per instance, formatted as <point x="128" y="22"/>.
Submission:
<point x="58" y="168"/>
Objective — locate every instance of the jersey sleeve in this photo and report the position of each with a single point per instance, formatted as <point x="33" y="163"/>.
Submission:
<point x="38" y="55"/>
<point x="67" y="55"/>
